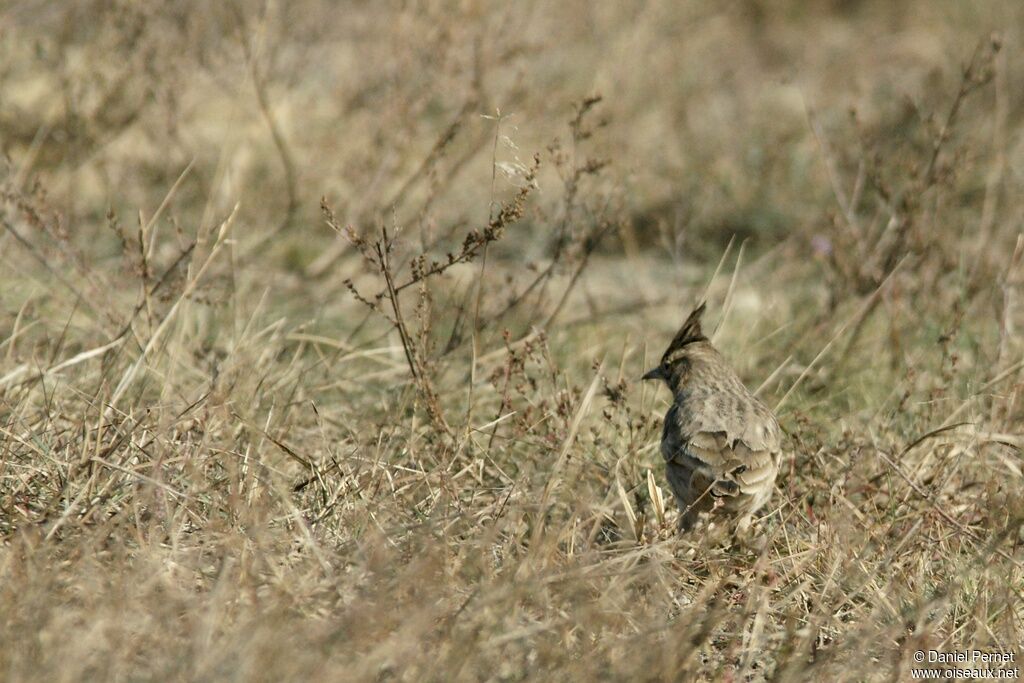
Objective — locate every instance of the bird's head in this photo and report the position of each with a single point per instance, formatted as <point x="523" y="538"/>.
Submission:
<point x="689" y="333"/>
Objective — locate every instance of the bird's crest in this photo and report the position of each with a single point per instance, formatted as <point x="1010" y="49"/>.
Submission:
<point x="690" y="332"/>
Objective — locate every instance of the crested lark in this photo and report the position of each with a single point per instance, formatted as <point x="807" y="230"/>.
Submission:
<point x="721" y="444"/>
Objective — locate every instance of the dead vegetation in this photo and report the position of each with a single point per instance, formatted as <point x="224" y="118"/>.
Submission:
<point x="321" y="326"/>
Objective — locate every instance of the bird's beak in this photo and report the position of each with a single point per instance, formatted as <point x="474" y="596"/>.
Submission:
<point x="656" y="373"/>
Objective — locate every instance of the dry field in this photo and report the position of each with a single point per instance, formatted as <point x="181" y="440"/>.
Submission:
<point x="321" y="327"/>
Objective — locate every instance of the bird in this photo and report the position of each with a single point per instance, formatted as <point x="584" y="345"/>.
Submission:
<point x="722" y="445"/>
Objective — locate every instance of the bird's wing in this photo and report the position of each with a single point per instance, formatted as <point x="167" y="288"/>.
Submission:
<point x="726" y="418"/>
<point x="733" y="442"/>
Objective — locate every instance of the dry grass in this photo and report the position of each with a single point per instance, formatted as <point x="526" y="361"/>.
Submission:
<point x="320" y="330"/>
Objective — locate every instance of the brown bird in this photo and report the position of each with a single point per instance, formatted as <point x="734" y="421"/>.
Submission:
<point x="720" y="443"/>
